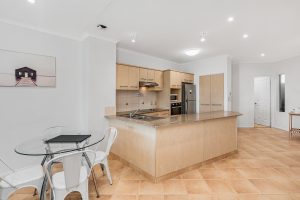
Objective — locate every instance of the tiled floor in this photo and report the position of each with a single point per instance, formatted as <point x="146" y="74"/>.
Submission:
<point x="267" y="167"/>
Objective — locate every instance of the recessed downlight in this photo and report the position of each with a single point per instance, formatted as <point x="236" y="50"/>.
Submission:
<point x="133" y="40"/>
<point x="245" y="36"/>
<point x="262" y="54"/>
<point x="31" y="1"/>
<point x="203" y="39"/>
<point x="230" y="19"/>
<point x="192" y="52"/>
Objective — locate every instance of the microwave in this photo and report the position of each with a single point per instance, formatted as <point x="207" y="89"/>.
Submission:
<point x="174" y="97"/>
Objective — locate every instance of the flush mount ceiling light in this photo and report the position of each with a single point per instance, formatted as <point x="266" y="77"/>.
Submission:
<point x="192" y="52"/>
<point x="133" y="37"/>
<point x="31" y="1"/>
<point x="262" y="54"/>
<point x="245" y="36"/>
<point x="230" y="19"/>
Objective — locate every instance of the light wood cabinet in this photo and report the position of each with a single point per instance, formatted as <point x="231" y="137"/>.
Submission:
<point x="122" y="77"/>
<point x="175" y="80"/>
<point x="217" y="92"/>
<point x="204" y="91"/>
<point x="159" y="79"/>
<point x="143" y="74"/>
<point x="133" y="78"/>
<point x="211" y="90"/>
<point x="150" y="75"/>
<point x="127" y="77"/>
<point x="188" y="78"/>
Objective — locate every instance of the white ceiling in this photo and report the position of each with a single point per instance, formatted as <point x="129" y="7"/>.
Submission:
<point x="165" y="28"/>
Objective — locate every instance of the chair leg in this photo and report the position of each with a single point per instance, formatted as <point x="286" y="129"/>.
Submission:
<point x="107" y="171"/>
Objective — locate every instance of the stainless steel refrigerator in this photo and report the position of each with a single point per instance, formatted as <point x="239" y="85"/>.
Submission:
<point x="188" y="98"/>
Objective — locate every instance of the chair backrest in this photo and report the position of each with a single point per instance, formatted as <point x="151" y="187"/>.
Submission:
<point x="73" y="164"/>
<point x="112" y="135"/>
<point x="5" y="170"/>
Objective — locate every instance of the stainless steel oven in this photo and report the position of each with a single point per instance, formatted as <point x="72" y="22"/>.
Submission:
<point x="175" y="108"/>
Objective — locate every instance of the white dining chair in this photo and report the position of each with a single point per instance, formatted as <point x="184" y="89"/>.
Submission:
<point x="74" y="177"/>
<point x="12" y="180"/>
<point x="101" y="156"/>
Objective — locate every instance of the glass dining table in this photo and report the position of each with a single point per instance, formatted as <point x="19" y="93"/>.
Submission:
<point x="50" y="145"/>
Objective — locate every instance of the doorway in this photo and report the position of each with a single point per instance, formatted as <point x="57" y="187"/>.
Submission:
<point x="262" y="102"/>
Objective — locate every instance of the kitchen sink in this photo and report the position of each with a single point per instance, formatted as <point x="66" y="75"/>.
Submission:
<point x="143" y="117"/>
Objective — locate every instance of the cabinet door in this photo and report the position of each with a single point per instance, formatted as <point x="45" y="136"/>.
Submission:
<point x="133" y="78"/>
<point x="159" y="78"/>
<point x="204" y="91"/>
<point x="217" y="92"/>
<point x="179" y="79"/>
<point x="188" y="78"/>
<point x="150" y="75"/>
<point x="122" y="77"/>
<point x="143" y="74"/>
<point x="173" y="79"/>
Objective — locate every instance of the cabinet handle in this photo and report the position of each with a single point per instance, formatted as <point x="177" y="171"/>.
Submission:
<point x="122" y="86"/>
<point x="203" y="104"/>
<point x="217" y="104"/>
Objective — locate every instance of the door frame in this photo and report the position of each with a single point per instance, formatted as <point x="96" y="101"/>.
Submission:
<point x="270" y="92"/>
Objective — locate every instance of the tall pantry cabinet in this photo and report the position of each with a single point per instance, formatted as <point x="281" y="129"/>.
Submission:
<point x="211" y="90"/>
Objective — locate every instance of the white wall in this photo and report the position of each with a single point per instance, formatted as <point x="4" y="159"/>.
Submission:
<point x="129" y="57"/>
<point x="213" y="65"/>
<point x="243" y="90"/>
<point x="26" y="112"/>
<point x="99" y="66"/>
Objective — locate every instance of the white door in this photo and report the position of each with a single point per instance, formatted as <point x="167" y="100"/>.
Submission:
<point x="262" y="101"/>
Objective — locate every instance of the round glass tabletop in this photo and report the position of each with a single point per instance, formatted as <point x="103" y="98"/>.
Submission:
<point x="59" y="142"/>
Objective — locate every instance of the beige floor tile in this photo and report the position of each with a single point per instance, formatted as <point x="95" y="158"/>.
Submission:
<point x="176" y="197"/>
<point x="211" y="173"/>
<point x="220" y="187"/>
<point x="202" y="197"/>
<point x="197" y="187"/>
<point x="151" y="197"/>
<point x="194" y="174"/>
<point x="124" y="197"/>
<point x="128" y="187"/>
<point x="147" y="187"/>
<point x="275" y="197"/>
<point x="243" y="186"/>
<point x="231" y="173"/>
<point x="174" y="187"/>
<point x="266" y="186"/>
<point x="249" y="197"/>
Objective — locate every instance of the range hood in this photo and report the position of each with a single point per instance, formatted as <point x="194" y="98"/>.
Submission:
<point x="147" y="84"/>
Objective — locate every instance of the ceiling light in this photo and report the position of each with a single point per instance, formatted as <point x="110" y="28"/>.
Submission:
<point x="262" y="55"/>
<point x="31" y="1"/>
<point x="230" y="19"/>
<point x="202" y="39"/>
<point x="192" y="52"/>
<point x="245" y="36"/>
<point x="133" y="37"/>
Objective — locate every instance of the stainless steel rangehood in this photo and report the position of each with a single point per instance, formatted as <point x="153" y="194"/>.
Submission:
<point x="148" y="84"/>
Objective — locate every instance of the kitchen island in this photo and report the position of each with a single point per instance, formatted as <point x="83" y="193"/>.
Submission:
<point x="168" y="146"/>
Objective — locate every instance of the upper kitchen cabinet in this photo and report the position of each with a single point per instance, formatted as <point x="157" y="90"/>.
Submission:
<point x="187" y="78"/>
<point x="127" y="77"/>
<point x="147" y="75"/>
<point x="159" y="79"/>
<point x="143" y="74"/>
<point x="133" y="78"/>
<point x="175" y="80"/>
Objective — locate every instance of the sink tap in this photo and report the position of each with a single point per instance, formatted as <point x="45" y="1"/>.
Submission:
<point x="132" y="114"/>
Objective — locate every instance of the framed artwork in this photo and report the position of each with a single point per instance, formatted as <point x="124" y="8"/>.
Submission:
<point x="19" y="69"/>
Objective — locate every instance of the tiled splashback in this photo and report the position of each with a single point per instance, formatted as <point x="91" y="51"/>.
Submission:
<point x="133" y="100"/>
